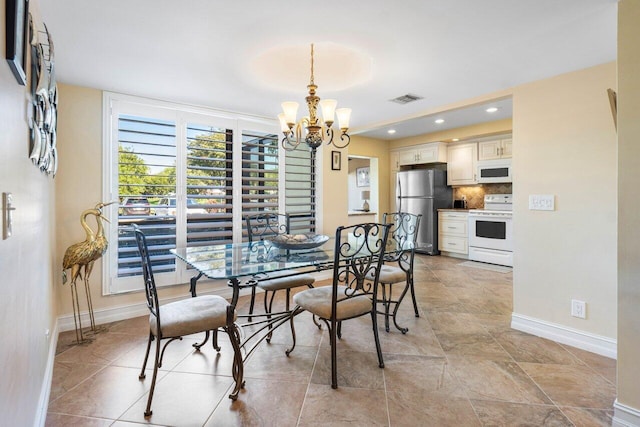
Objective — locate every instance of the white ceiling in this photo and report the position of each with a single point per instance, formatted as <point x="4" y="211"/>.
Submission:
<point x="229" y="55"/>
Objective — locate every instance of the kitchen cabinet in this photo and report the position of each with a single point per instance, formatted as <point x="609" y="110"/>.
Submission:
<point x="435" y="152"/>
<point x="453" y="236"/>
<point x="495" y="149"/>
<point x="461" y="163"/>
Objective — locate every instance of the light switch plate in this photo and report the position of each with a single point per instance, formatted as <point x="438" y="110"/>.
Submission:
<point x="541" y="202"/>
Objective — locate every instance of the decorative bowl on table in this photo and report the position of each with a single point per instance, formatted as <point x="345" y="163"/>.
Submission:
<point x="298" y="241"/>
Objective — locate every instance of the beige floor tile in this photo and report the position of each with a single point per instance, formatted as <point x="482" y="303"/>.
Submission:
<point x="408" y="408"/>
<point x="517" y="414"/>
<point x="572" y="385"/>
<point x="269" y="362"/>
<point x="344" y="406"/>
<point x="354" y="368"/>
<point x="106" y="394"/>
<point x="481" y="345"/>
<point x="176" y="351"/>
<point x="584" y="417"/>
<point x="181" y="399"/>
<point x="104" y="349"/>
<point x="525" y="347"/>
<point x="421" y="375"/>
<point x="261" y="403"/>
<point x="605" y="366"/>
<point x="68" y="375"/>
<point x="455" y="323"/>
<point x="62" y="420"/>
<point x="485" y="379"/>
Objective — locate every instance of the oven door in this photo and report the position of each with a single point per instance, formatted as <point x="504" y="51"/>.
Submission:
<point x="491" y="231"/>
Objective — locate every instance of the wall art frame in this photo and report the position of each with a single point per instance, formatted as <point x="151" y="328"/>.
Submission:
<point x="362" y="177"/>
<point x="336" y="160"/>
<point x="17" y="37"/>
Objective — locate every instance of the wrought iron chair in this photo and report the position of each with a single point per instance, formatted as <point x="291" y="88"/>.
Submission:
<point x="174" y="320"/>
<point x="401" y="250"/>
<point x="259" y="227"/>
<point x="359" y="251"/>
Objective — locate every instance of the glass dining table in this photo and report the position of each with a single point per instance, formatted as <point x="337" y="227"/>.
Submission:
<point x="244" y="264"/>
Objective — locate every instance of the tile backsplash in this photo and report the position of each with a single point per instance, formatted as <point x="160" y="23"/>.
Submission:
<point x="475" y="193"/>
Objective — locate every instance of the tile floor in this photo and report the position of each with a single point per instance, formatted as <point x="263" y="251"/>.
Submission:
<point x="459" y="365"/>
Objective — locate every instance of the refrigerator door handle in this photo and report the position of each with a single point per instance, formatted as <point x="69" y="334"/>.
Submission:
<point x="399" y="195"/>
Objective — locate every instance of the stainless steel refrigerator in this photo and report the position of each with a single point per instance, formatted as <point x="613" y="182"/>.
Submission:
<point x="424" y="191"/>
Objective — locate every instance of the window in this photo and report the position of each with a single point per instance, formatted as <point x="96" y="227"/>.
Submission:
<point x="173" y="171"/>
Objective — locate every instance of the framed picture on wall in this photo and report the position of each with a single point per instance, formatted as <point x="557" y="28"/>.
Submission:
<point x="336" y="160"/>
<point x="362" y="177"/>
<point x="17" y="37"/>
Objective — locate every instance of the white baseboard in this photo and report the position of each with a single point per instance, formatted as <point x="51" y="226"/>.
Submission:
<point x="584" y="340"/>
<point x="45" y="391"/>
<point x="625" y="416"/>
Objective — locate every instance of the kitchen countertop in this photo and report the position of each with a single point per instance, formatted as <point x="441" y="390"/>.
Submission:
<point x="453" y="210"/>
<point x="362" y="213"/>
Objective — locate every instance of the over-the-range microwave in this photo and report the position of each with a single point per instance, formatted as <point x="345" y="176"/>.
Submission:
<point x="490" y="171"/>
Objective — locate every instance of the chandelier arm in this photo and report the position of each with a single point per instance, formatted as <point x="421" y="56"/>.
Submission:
<point x="288" y="143"/>
<point x="343" y="137"/>
<point x="329" y="133"/>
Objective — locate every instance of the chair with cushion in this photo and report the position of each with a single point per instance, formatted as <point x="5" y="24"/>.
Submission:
<point x="262" y="226"/>
<point x="358" y="258"/>
<point x="398" y="266"/>
<point x="174" y="320"/>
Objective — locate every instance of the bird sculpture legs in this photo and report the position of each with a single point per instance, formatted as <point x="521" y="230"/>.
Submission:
<point x="87" y="272"/>
<point x="76" y="313"/>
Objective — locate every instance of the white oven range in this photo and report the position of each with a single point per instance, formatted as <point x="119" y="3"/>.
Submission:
<point x="491" y="232"/>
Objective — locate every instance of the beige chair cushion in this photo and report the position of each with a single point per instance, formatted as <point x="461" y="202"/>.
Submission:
<point x="283" y="280"/>
<point x="191" y="315"/>
<point x="318" y="302"/>
<point x="390" y="274"/>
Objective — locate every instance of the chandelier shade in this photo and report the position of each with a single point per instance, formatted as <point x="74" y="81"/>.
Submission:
<point x="311" y="129"/>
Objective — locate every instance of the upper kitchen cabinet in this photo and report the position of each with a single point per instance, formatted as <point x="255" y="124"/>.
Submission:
<point x="495" y="149"/>
<point x="435" y="152"/>
<point x="462" y="163"/>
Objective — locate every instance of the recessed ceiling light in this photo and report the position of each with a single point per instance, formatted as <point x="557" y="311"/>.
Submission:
<point x="438" y="121"/>
<point x="455" y="139"/>
<point x="491" y="109"/>
<point x="391" y="131"/>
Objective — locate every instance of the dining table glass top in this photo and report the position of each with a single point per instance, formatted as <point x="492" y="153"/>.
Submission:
<point x="236" y="260"/>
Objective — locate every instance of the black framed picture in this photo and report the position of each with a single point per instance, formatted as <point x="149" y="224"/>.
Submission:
<point x="17" y="37"/>
<point x="336" y="160"/>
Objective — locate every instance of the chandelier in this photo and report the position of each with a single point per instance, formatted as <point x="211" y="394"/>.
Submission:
<point x="310" y="129"/>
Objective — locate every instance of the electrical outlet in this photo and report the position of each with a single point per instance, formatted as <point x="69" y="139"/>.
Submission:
<point x="541" y="202"/>
<point x="578" y="309"/>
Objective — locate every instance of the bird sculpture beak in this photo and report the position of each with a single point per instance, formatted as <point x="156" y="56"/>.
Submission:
<point x="102" y="204"/>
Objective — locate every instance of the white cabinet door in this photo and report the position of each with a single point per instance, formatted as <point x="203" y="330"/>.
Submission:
<point x="492" y="150"/>
<point x="394" y="163"/>
<point x="434" y="152"/>
<point x="408" y="157"/>
<point x="461" y="164"/>
<point x="506" y="148"/>
<point x="489" y="150"/>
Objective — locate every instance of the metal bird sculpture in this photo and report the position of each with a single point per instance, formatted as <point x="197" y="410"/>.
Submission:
<point x="81" y="256"/>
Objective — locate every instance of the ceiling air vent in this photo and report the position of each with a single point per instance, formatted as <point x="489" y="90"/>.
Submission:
<point x="405" y="99"/>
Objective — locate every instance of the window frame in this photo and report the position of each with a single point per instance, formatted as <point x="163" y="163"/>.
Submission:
<point x="115" y="104"/>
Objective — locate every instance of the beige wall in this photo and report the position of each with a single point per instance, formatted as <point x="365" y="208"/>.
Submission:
<point x="628" y="204"/>
<point x="565" y="145"/>
<point x="27" y="285"/>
